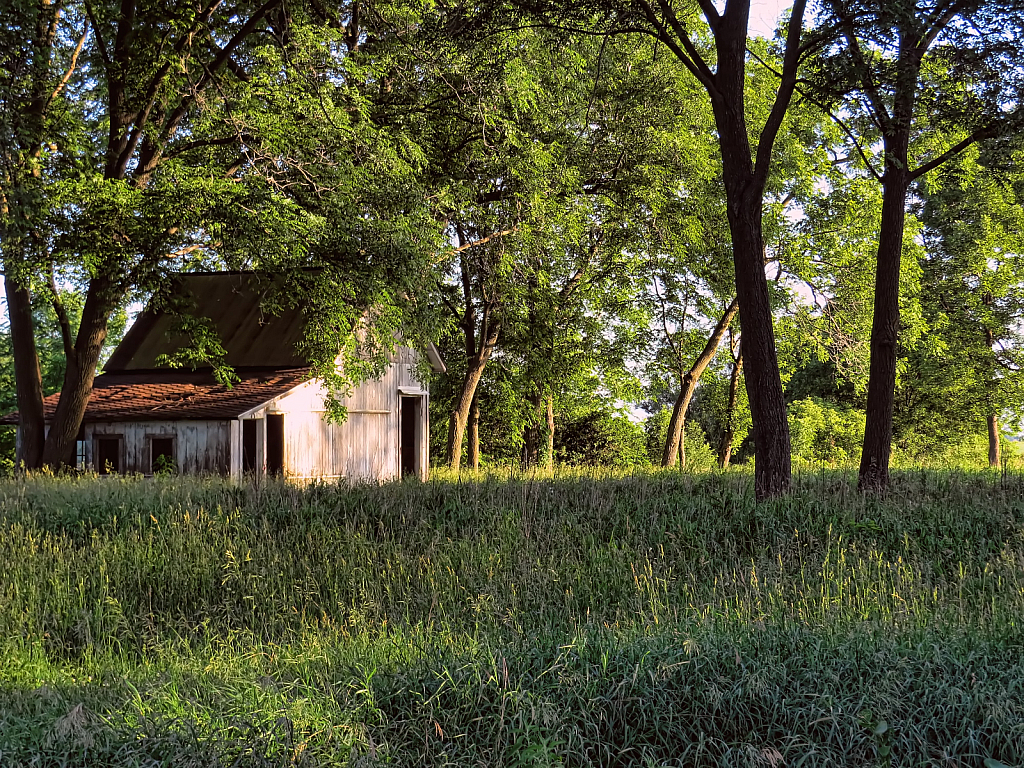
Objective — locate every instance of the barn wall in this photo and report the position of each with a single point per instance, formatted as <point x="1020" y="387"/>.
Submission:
<point x="366" y="445"/>
<point x="201" y="447"/>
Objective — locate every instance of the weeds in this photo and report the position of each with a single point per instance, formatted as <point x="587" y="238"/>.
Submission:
<point x="659" y="619"/>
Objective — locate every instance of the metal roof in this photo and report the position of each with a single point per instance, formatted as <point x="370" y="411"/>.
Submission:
<point x="233" y="303"/>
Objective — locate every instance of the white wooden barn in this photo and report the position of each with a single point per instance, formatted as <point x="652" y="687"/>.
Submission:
<point x="145" y="417"/>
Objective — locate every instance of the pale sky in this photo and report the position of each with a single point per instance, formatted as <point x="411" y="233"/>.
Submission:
<point x="764" y="14"/>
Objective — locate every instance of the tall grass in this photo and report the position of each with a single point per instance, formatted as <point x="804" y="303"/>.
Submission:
<point x="586" y="619"/>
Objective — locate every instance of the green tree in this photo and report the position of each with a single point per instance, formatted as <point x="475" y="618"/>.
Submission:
<point x="972" y="300"/>
<point x="926" y="81"/>
<point x="157" y="138"/>
<point x="715" y="53"/>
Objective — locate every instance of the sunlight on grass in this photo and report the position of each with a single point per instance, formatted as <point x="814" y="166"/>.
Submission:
<point x="587" y="618"/>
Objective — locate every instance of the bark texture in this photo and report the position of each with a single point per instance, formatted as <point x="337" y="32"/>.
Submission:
<point x="19" y="190"/>
<point x="745" y="175"/>
<point x="27" y="377"/>
<point x="674" y="442"/>
<point x="474" y="434"/>
<point x="874" y="460"/>
<point x="80" y="373"/>
<point x="464" y="400"/>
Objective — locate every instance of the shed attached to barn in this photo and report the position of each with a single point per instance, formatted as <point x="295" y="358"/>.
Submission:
<point x="146" y="417"/>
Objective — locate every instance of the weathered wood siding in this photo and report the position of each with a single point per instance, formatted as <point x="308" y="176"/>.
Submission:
<point x="200" y="447"/>
<point x="365" y="446"/>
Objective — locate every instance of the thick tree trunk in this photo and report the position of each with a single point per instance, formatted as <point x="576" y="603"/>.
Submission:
<point x="19" y="196"/>
<point x="27" y="377"/>
<point x="770" y="427"/>
<point x="674" y="441"/>
<point x="729" y="432"/>
<point x="744" y="188"/>
<point x="79" y="374"/>
<point x="744" y="178"/>
<point x="995" y="458"/>
<point x="874" y="460"/>
<point x="474" y="433"/>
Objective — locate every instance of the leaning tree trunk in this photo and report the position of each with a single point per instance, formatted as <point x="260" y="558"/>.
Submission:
<point x="994" y="451"/>
<point x="729" y="433"/>
<point x="874" y="460"/>
<point x="460" y="412"/>
<point x="674" y="444"/>
<point x="463" y="402"/>
<point x="28" y="380"/>
<point x="79" y="374"/>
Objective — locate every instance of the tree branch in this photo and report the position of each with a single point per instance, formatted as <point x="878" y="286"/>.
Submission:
<point x="691" y="58"/>
<point x="982" y="133"/>
<point x="790" y="64"/>
<point x="71" y="67"/>
<point x="66" y="334"/>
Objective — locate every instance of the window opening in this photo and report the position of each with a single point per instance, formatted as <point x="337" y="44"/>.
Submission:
<point x="275" y="443"/>
<point x="249" y="445"/>
<point x="108" y="455"/>
<point x="162" y="456"/>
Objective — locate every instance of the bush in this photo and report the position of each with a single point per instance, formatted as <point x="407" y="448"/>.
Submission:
<point x="823" y="433"/>
<point x="602" y="439"/>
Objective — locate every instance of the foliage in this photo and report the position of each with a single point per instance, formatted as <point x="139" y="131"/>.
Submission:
<point x="601" y="439"/>
<point x="824" y="433"/>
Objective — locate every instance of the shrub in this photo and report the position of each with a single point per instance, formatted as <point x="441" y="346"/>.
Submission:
<point x="602" y="439"/>
<point x="823" y="433"/>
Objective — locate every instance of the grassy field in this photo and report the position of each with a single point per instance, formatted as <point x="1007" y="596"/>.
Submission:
<point x="661" y="619"/>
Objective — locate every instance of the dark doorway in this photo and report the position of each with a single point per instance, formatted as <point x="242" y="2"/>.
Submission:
<point x="275" y="443"/>
<point x="161" y="455"/>
<point x="249" y="445"/>
<point x="410" y="451"/>
<point x="108" y="455"/>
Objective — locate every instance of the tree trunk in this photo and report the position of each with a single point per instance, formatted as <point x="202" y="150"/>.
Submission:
<point x="532" y="432"/>
<point x="19" y="211"/>
<point x="474" y="433"/>
<point x="874" y="460"/>
<point x="994" y="451"/>
<point x="27" y="377"/>
<point x="539" y="436"/>
<point x="770" y="427"/>
<point x="460" y="412"/>
<point x="79" y="374"/>
<point x="729" y="433"/>
<point x="549" y="454"/>
<point x="677" y="424"/>
<point x="744" y="188"/>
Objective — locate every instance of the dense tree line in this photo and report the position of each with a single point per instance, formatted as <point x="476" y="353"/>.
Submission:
<point x="777" y="247"/>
